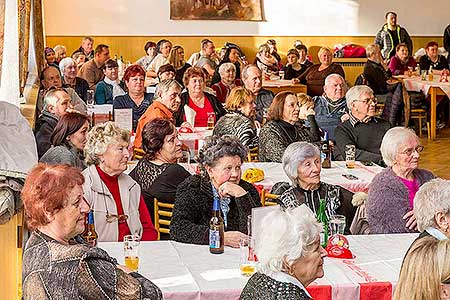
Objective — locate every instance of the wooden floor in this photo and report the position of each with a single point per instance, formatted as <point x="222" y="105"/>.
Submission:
<point x="436" y="154"/>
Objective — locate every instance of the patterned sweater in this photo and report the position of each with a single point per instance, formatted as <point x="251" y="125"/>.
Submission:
<point x="237" y="124"/>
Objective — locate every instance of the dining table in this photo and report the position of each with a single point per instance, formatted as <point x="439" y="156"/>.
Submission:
<point x="276" y="86"/>
<point x="190" y="272"/>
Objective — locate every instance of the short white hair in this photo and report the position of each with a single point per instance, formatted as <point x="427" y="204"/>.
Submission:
<point x="393" y="139"/>
<point x="287" y="235"/>
<point x="295" y="154"/>
<point x="225" y="67"/>
<point x="331" y="76"/>
<point x="372" y="49"/>
<point x="65" y="62"/>
<point x="51" y="97"/>
<point x="432" y="197"/>
<point x="355" y="93"/>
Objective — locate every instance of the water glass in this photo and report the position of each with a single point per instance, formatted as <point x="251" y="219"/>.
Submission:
<point x="337" y="224"/>
<point x="90" y="97"/>
<point x="281" y="74"/>
<point x="350" y="156"/>
<point x="131" y="251"/>
<point x="248" y="258"/>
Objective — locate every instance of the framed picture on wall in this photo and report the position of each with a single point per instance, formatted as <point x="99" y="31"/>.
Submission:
<point x="240" y="10"/>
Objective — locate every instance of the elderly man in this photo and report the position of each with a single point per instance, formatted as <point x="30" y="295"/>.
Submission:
<point x="92" y="71"/>
<point x="206" y="60"/>
<point x="56" y="104"/>
<point x="390" y="35"/>
<point x="51" y="77"/>
<point x="252" y="78"/>
<point x="362" y="129"/>
<point x="377" y="74"/>
<point x="331" y="107"/>
<point x="86" y="48"/>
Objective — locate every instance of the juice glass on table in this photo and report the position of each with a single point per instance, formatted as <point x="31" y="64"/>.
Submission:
<point x="131" y="251"/>
<point x="248" y="258"/>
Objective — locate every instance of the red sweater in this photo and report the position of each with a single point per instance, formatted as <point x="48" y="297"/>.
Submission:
<point x="149" y="232"/>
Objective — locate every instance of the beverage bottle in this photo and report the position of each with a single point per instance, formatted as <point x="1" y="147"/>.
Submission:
<point x="430" y="74"/>
<point x="89" y="234"/>
<point x="216" y="230"/>
<point x="326" y="150"/>
<point x="323" y="219"/>
<point x="120" y="66"/>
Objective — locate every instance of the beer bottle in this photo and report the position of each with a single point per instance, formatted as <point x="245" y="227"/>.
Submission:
<point x="326" y="150"/>
<point x="216" y="230"/>
<point x="90" y="235"/>
<point x="323" y="219"/>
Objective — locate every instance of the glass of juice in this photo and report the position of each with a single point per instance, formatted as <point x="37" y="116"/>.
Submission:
<point x="131" y="251"/>
<point x="248" y="257"/>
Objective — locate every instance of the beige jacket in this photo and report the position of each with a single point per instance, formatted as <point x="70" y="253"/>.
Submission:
<point x="101" y="201"/>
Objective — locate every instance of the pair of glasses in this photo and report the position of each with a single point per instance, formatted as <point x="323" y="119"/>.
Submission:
<point x="410" y="151"/>
<point x="112" y="218"/>
<point x="369" y="101"/>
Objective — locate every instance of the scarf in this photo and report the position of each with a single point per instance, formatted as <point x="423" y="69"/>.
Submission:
<point x="117" y="90"/>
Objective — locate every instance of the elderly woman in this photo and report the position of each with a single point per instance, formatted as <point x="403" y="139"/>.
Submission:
<point x="150" y="53"/>
<point x="176" y="59"/>
<point x="402" y="63"/>
<point x="68" y="141"/>
<point x="69" y="69"/>
<point x="231" y="55"/>
<point x="227" y="81"/>
<point x="391" y="194"/>
<point x="111" y="86"/>
<point x="240" y="119"/>
<point x="265" y="61"/>
<point x="60" y="53"/>
<point x="302" y="164"/>
<point x="157" y="172"/>
<point x="293" y="68"/>
<point x="119" y="209"/>
<point x="314" y="76"/>
<point x="163" y="48"/>
<point x="284" y="127"/>
<point x="201" y="102"/>
<point x="290" y="256"/>
<point x="221" y="159"/>
<point x="136" y="98"/>
<point x="57" y="262"/>
<point x="165" y="105"/>
<point x="425" y="273"/>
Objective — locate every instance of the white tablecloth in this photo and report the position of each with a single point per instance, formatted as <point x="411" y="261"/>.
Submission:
<point x="418" y="85"/>
<point x="190" y="272"/>
<point x="192" y="139"/>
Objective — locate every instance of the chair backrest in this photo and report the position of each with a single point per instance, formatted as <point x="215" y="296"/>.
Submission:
<point x="163" y="216"/>
<point x="252" y="155"/>
<point x="138" y="153"/>
<point x="267" y="199"/>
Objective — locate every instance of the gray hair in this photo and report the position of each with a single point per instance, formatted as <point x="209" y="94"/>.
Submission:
<point x="244" y="72"/>
<point x="51" y="98"/>
<point x="372" y="49"/>
<point x="100" y="137"/>
<point x="216" y="147"/>
<point x="295" y="154"/>
<point x="355" y="93"/>
<point x="393" y="139"/>
<point x="263" y="48"/>
<point x="288" y="235"/>
<point x="166" y="85"/>
<point x="65" y="62"/>
<point x="331" y="76"/>
<point x="432" y="197"/>
<point x="225" y="67"/>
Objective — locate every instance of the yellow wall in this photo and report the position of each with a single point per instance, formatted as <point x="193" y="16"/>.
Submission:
<point x="132" y="47"/>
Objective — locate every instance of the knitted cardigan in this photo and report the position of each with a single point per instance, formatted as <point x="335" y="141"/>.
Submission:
<point x="388" y="201"/>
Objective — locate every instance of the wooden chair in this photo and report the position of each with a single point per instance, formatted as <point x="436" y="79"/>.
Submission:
<point x="267" y="198"/>
<point x="138" y="153"/>
<point x="252" y="155"/>
<point x="163" y="210"/>
<point x="421" y="115"/>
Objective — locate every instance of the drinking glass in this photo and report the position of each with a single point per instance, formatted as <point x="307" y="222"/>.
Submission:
<point x="131" y="251"/>
<point x="281" y="74"/>
<point x="90" y="98"/>
<point x="350" y="156"/>
<point x="211" y="117"/>
<point x="248" y="258"/>
<point x="337" y="224"/>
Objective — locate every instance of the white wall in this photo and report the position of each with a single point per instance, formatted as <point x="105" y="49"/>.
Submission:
<point x="283" y="18"/>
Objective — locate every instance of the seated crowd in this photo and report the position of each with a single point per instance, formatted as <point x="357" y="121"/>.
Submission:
<point x="84" y="166"/>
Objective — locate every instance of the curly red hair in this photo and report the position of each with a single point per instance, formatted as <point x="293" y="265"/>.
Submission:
<point x="132" y="71"/>
<point x="46" y="190"/>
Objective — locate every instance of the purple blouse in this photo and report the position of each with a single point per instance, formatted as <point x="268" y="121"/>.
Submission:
<point x="413" y="187"/>
<point x="398" y="67"/>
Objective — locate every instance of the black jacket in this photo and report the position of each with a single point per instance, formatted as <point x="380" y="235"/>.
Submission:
<point x="193" y="205"/>
<point x="376" y="77"/>
<point x="216" y="105"/>
<point x="43" y="132"/>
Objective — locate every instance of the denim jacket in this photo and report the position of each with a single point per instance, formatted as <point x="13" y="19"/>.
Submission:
<point x="326" y="119"/>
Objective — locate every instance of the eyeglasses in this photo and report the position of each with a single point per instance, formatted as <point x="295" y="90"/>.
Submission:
<point x="368" y="101"/>
<point x="410" y="151"/>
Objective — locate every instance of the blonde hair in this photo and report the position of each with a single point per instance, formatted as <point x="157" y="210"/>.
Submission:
<point x="426" y="266"/>
<point x="237" y="97"/>
<point x="174" y="58"/>
<point x="263" y="48"/>
<point x="59" y="51"/>
<point x="324" y="49"/>
<point x="100" y="137"/>
<point x="304" y="99"/>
